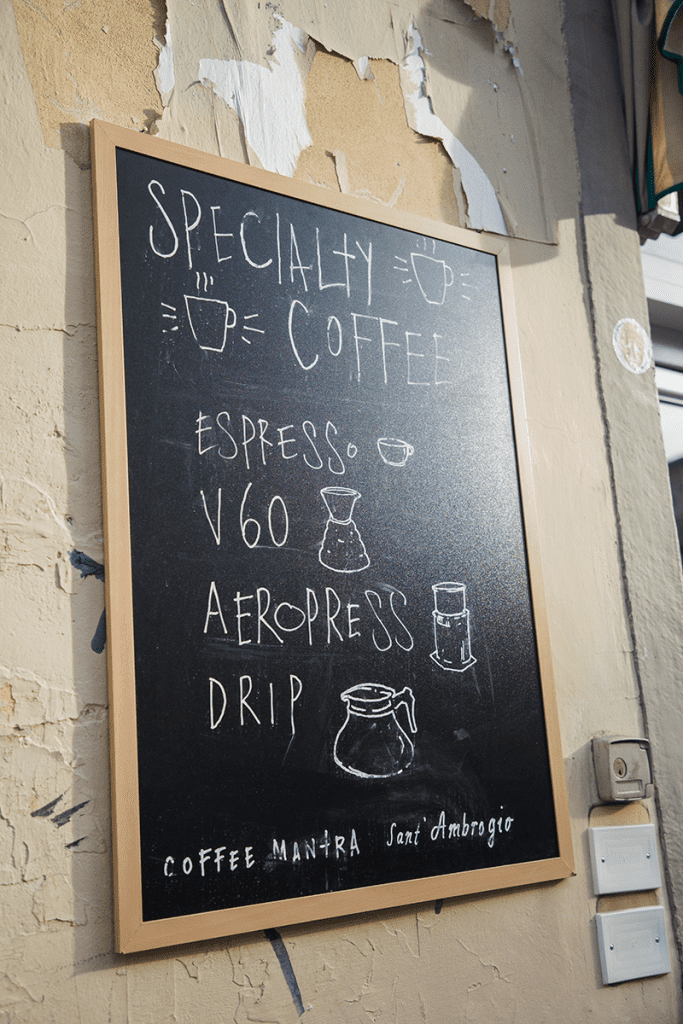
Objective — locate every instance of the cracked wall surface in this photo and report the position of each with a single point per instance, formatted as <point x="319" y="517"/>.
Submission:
<point x="454" y="110"/>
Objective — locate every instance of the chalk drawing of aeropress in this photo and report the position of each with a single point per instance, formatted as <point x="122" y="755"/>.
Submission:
<point x="451" y="617"/>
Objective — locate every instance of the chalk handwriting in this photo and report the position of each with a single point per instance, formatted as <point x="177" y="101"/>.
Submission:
<point x="255" y="704"/>
<point x="189" y="228"/>
<point x="471" y="829"/>
<point x="404" y="837"/>
<point x="256" y="441"/>
<point x="282" y="527"/>
<point x="211" y="861"/>
<point x="204" y="864"/>
<point x="155" y="197"/>
<point x="327" y="845"/>
<point x="262" y="246"/>
<point x="378" y="348"/>
<point x="219" y="234"/>
<point x="261" y="617"/>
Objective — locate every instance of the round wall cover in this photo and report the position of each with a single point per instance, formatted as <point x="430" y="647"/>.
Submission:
<point x="632" y="345"/>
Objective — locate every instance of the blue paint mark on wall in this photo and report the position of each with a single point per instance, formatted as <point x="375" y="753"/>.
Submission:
<point x="286" y="964"/>
<point x="46" y="811"/>
<point x="61" y="819"/>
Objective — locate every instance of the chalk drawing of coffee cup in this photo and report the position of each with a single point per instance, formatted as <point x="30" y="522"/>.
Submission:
<point x="210" y="320"/>
<point x="433" y="276"/>
<point x="394" y="452"/>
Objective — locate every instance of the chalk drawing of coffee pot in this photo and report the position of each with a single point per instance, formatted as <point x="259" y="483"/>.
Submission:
<point x="451" y="628"/>
<point x="433" y="277"/>
<point x="210" y="320"/>
<point x="342" y="547"/>
<point x="372" y="743"/>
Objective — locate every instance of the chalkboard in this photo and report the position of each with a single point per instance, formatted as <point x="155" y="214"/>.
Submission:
<point x="330" y="678"/>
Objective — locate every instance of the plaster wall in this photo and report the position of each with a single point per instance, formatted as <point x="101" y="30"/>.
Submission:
<point x="458" y="111"/>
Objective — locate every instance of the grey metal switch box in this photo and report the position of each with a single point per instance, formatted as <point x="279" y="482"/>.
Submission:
<point x="622" y="768"/>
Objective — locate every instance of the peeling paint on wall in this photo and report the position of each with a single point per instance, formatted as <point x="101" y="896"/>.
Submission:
<point x="271" y="105"/>
<point x="264" y="52"/>
<point x="363" y="146"/>
<point x="269" y="102"/>
<point x="496" y="11"/>
<point x="483" y="208"/>
<point x="164" y="74"/>
<point x="90" y="60"/>
<point x="32" y="530"/>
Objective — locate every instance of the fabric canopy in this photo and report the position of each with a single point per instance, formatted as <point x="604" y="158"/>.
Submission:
<point x="650" y="40"/>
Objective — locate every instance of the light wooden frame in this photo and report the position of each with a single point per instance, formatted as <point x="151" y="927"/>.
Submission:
<point x="132" y="933"/>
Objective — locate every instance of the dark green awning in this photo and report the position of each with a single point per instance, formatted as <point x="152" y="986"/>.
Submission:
<point x="650" y="39"/>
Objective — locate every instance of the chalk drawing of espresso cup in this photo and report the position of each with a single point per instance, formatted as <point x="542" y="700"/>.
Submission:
<point x="394" y="452"/>
<point x="433" y="276"/>
<point x="210" y="320"/>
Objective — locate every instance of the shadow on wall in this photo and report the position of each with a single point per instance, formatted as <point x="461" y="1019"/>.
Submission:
<point x="89" y="850"/>
<point x="676" y="480"/>
<point x="597" y="105"/>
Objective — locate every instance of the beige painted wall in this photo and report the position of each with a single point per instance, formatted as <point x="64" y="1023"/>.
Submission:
<point x="500" y="93"/>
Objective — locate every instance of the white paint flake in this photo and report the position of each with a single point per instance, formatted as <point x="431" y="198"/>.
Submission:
<point x="164" y="75"/>
<point x="269" y="101"/>
<point x="483" y="207"/>
<point x="363" y="69"/>
<point x="509" y="47"/>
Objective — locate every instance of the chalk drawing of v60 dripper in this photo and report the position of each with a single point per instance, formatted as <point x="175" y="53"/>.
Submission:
<point x="451" y="628"/>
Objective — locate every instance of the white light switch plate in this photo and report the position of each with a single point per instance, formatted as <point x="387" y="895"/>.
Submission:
<point x="632" y="944"/>
<point x="624" y="858"/>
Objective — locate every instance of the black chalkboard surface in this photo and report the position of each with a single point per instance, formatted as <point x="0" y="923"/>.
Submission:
<point x="329" y="673"/>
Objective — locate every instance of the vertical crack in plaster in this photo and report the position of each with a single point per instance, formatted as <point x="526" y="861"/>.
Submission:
<point x="269" y="101"/>
<point x="192" y="964"/>
<point x="10" y="870"/>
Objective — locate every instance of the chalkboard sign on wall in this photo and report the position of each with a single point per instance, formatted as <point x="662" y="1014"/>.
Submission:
<point x="330" y="679"/>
